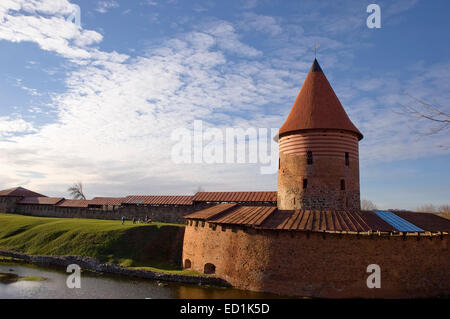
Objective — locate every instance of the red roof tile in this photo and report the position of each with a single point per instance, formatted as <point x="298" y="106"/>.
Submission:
<point x="427" y="221"/>
<point x="208" y="213"/>
<point x="245" y="215"/>
<point x="159" y="200"/>
<point x="266" y="217"/>
<point x="111" y="201"/>
<point x="41" y="200"/>
<point x="317" y="107"/>
<point x="19" y="192"/>
<point x="235" y="197"/>
<point x="79" y="203"/>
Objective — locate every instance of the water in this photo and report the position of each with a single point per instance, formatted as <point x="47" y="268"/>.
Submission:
<point x="105" y="286"/>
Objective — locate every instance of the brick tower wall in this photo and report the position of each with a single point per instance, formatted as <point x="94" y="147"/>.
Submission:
<point x="323" y="190"/>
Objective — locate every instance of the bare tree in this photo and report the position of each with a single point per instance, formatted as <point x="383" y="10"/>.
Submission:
<point x="367" y="205"/>
<point x="436" y="116"/>
<point x="76" y="191"/>
<point x="427" y="208"/>
<point x="444" y="209"/>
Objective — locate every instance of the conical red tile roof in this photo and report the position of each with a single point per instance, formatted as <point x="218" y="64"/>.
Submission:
<point x="317" y="107"/>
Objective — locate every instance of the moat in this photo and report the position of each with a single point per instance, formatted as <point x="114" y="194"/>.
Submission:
<point x="105" y="286"/>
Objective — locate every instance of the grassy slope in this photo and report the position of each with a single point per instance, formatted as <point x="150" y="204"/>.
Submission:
<point x="157" y="245"/>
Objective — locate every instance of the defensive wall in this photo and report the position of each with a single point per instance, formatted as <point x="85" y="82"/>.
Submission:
<point x="168" y="209"/>
<point x="315" y="264"/>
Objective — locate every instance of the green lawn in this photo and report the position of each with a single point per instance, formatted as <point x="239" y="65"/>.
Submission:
<point x="156" y="246"/>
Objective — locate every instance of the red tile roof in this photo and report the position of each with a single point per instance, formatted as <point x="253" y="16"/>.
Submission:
<point x="41" y="200"/>
<point x="159" y="200"/>
<point x="246" y="215"/>
<point x="79" y="203"/>
<point x="317" y="221"/>
<point x="208" y="213"/>
<point x="266" y="217"/>
<point x="111" y="201"/>
<point x="426" y="221"/>
<point x="19" y="192"/>
<point x="317" y="107"/>
<point x="235" y="197"/>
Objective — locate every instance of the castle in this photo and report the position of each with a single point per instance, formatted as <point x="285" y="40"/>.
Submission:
<point x="317" y="242"/>
<point x="310" y="238"/>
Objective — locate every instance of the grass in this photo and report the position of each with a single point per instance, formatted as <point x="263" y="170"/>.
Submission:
<point x="32" y="278"/>
<point x="186" y="272"/>
<point x="156" y="246"/>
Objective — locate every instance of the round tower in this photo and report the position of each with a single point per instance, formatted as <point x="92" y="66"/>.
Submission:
<point x="318" y="151"/>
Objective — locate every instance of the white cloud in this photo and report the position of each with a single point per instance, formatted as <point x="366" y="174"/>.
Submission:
<point x="45" y="22"/>
<point x="105" y="5"/>
<point x="9" y="127"/>
<point x="261" y="23"/>
<point x="114" y="122"/>
<point x="228" y="40"/>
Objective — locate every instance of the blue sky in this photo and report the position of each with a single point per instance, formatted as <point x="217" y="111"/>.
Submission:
<point x="99" y="103"/>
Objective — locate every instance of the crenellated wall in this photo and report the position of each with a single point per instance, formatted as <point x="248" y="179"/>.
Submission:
<point x="323" y="190"/>
<point x="320" y="265"/>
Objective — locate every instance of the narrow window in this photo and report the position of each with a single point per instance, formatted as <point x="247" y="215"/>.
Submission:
<point x="279" y="163"/>
<point x="309" y="158"/>
<point x="342" y="185"/>
<point x="347" y="160"/>
<point x="305" y="183"/>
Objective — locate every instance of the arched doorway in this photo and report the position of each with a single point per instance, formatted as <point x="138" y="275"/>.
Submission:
<point x="209" y="269"/>
<point x="187" y="263"/>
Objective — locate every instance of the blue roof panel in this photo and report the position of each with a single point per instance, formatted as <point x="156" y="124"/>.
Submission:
<point x="397" y="222"/>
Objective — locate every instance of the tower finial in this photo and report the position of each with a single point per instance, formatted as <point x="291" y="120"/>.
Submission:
<point x="315" y="49"/>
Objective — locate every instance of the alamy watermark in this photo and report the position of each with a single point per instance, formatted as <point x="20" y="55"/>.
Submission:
<point x="374" y="19"/>
<point x="228" y="145"/>
<point x="73" y="280"/>
<point x="374" y="279"/>
<point x="75" y="15"/>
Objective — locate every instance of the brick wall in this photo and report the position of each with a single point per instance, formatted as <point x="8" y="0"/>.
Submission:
<point x="321" y="265"/>
<point x="8" y="204"/>
<point x="167" y="214"/>
<point x="324" y="175"/>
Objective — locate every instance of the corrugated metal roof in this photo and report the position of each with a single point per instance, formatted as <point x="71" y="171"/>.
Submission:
<point x="159" y="200"/>
<point x="20" y="192"/>
<point x="113" y="201"/>
<point x="235" y="197"/>
<point x="398" y="222"/>
<point x="208" y="213"/>
<point x="79" y="203"/>
<point x="41" y="200"/>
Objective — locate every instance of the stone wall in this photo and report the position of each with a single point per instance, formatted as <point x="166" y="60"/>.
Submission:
<point x="8" y="204"/>
<point x="320" y="264"/>
<point x="167" y="214"/>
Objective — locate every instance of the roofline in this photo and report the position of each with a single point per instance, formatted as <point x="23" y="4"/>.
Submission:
<point x="277" y="137"/>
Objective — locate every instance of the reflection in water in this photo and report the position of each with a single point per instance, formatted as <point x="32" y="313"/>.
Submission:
<point x="104" y="286"/>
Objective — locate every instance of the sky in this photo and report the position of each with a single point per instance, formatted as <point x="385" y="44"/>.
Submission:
<point x="99" y="102"/>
